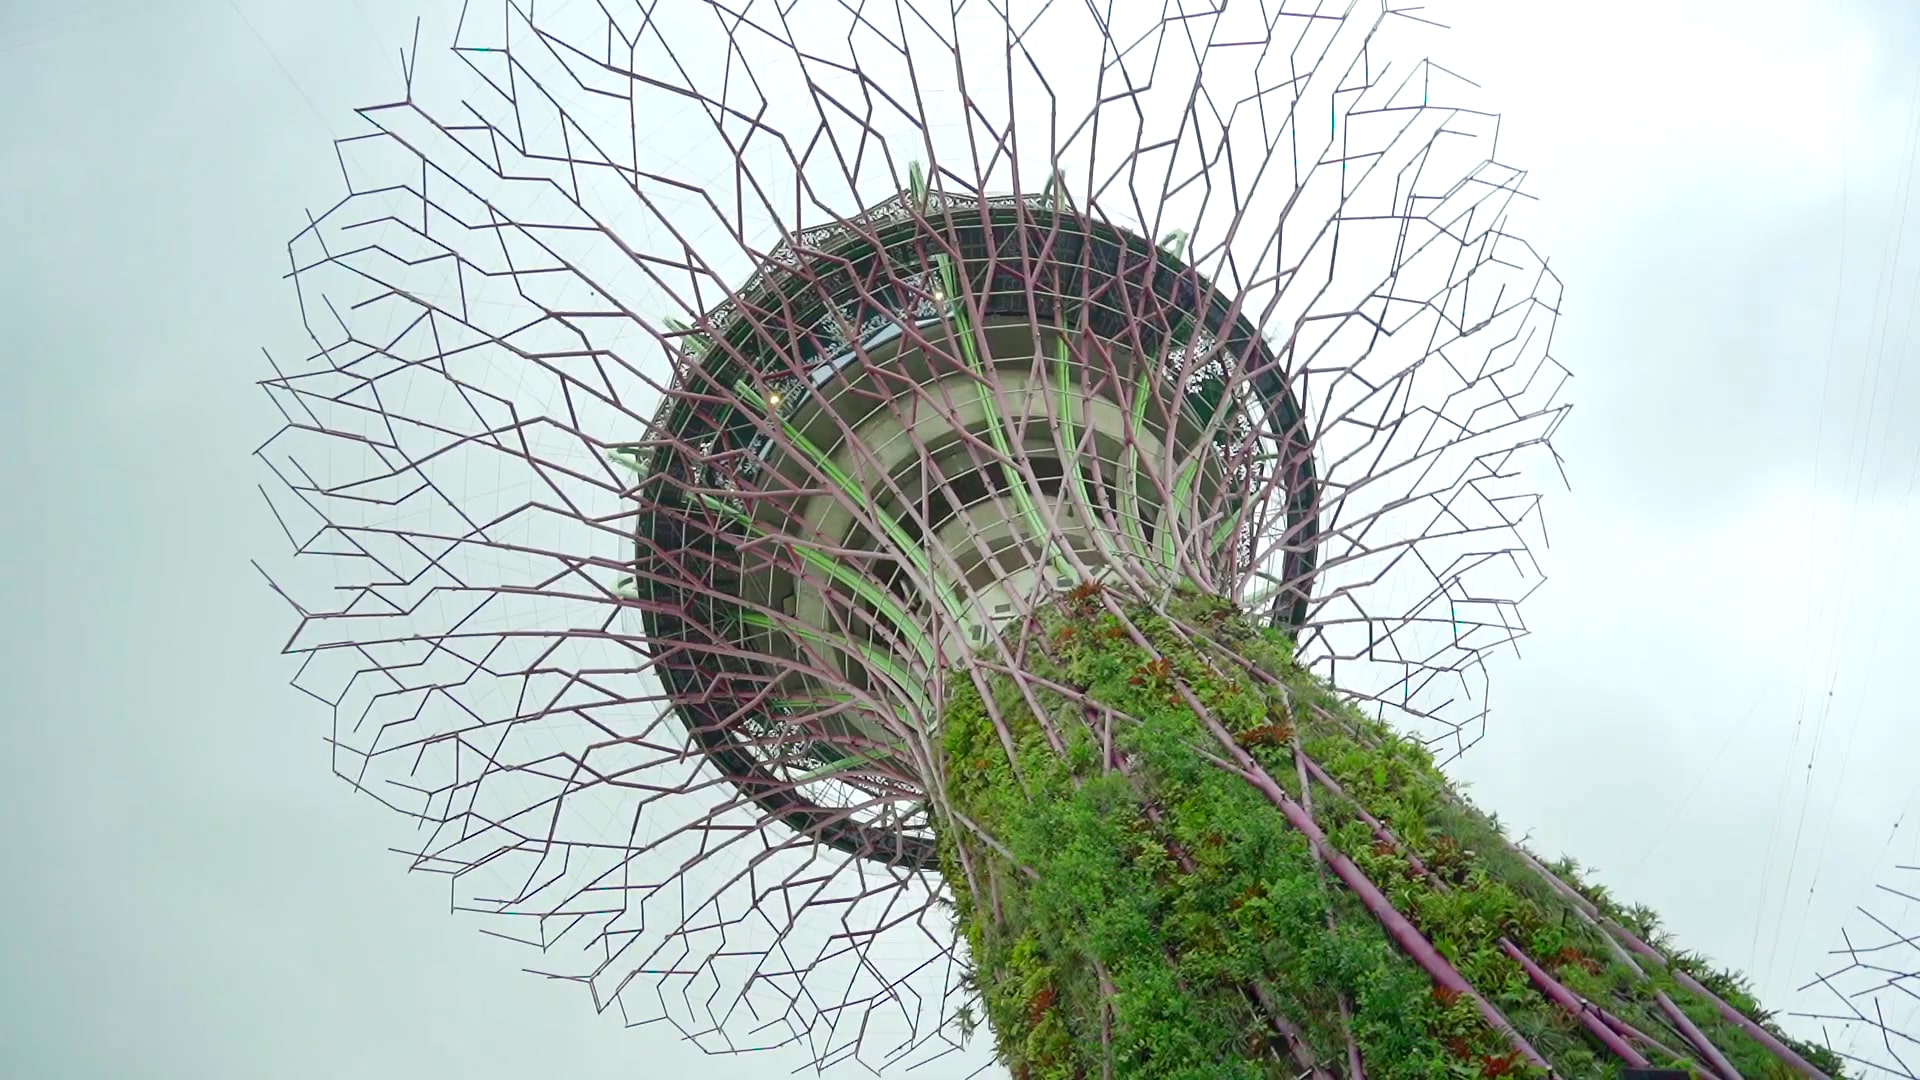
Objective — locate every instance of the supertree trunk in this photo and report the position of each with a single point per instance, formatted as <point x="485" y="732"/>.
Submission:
<point x="1197" y="861"/>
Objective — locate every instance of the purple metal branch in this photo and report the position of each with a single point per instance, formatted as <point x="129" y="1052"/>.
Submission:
<point x="1734" y="1016"/>
<point x="1584" y="1011"/>
<point x="1589" y="1016"/>
<point x="1401" y="930"/>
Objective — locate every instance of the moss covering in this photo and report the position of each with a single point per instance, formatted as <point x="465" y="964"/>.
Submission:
<point x="1142" y="908"/>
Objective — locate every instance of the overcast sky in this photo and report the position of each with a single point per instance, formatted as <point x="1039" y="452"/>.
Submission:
<point x="191" y="894"/>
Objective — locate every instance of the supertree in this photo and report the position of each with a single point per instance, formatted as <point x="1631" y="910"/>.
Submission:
<point x="849" y="520"/>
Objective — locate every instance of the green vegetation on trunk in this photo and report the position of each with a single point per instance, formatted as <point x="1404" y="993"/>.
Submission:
<point x="1142" y="911"/>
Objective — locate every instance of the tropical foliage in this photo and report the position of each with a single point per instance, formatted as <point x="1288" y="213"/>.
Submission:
<point x="1135" y="907"/>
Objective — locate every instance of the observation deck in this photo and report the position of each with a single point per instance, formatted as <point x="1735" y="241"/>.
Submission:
<point x="899" y="433"/>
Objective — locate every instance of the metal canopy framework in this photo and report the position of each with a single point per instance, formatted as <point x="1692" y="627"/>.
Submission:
<point x="1124" y="324"/>
<point x="1869" y="994"/>
<point x="649" y="327"/>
